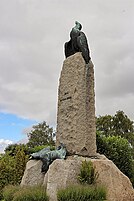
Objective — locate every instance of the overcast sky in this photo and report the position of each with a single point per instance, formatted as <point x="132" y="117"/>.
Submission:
<point x="32" y="36"/>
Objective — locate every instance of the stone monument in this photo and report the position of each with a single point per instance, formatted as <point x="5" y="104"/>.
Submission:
<point x="76" y="103"/>
<point x="77" y="131"/>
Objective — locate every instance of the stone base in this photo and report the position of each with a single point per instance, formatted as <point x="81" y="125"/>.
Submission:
<point x="32" y="175"/>
<point x="62" y="173"/>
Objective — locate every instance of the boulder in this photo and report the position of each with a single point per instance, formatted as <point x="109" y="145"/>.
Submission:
<point x="76" y="107"/>
<point x="118" y="185"/>
<point x="62" y="173"/>
<point x="32" y="174"/>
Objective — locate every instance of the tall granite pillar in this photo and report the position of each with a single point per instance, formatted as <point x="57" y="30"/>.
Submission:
<point x="76" y="107"/>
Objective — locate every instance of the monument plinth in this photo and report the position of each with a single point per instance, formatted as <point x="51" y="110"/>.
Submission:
<point x="76" y="107"/>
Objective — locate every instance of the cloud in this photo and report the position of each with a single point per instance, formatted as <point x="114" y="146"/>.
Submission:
<point x="32" y="36"/>
<point x="4" y="144"/>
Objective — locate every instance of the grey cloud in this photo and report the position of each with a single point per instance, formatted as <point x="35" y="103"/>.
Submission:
<point x="32" y="36"/>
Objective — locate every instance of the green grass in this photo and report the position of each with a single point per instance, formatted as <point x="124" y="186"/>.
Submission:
<point x="87" y="173"/>
<point x="82" y="193"/>
<point x="9" y="191"/>
<point x="18" y="193"/>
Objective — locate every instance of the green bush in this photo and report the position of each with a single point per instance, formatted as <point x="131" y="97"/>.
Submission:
<point x="119" y="151"/>
<point x="12" y="168"/>
<point x="6" y="172"/>
<point x="132" y="177"/>
<point x="8" y="192"/>
<point x="12" y="149"/>
<point x="82" y="193"/>
<point x="35" y="193"/>
<point x="40" y="147"/>
<point x="87" y="173"/>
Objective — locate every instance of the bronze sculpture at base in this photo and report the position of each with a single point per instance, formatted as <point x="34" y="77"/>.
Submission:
<point x="47" y="156"/>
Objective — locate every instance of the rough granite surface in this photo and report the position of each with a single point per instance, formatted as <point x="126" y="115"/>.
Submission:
<point x="65" y="172"/>
<point x="76" y="107"/>
<point x="32" y="175"/>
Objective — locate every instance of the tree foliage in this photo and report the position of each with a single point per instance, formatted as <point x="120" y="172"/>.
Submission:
<point x="12" y="168"/>
<point x="117" y="125"/>
<point x="20" y="160"/>
<point x="12" y="149"/>
<point x="13" y="162"/>
<point x="41" y="134"/>
<point x="115" y="139"/>
<point x="118" y="150"/>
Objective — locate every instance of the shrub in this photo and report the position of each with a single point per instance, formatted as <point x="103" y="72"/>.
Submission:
<point x="119" y="151"/>
<point x="6" y="172"/>
<point x="40" y="147"/>
<point x="87" y="173"/>
<point x="35" y="193"/>
<point x="8" y="192"/>
<point x="12" y="149"/>
<point x="19" y="165"/>
<point x="12" y="168"/>
<point x="82" y="193"/>
<point x="132" y="177"/>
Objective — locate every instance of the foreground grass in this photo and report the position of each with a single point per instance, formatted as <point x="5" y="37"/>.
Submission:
<point x="82" y="193"/>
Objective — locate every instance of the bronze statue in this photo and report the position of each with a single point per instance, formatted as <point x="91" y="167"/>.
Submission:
<point x="47" y="156"/>
<point x="77" y="43"/>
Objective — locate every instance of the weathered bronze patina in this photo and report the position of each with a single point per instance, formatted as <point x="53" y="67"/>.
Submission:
<point x="77" y="43"/>
<point x="47" y="156"/>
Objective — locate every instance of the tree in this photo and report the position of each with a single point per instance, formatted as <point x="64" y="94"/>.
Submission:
<point x="41" y="134"/>
<point x="117" y="125"/>
<point x="12" y="149"/>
